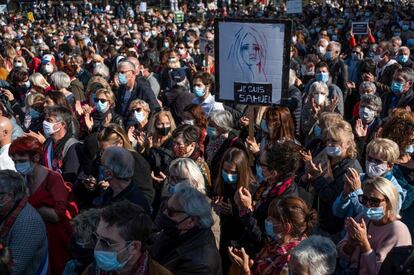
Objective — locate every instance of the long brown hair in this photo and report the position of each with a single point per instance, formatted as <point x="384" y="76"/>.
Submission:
<point x="280" y="119"/>
<point x="239" y="158"/>
<point x="114" y="133"/>
<point x="295" y="211"/>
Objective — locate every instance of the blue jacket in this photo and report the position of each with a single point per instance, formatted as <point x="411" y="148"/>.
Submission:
<point x="351" y="207"/>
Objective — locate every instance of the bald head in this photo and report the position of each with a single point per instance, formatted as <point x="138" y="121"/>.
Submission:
<point x="5" y="130"/>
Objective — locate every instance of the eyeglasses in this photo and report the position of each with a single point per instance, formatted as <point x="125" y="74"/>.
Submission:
<point x="374" y="202"/>
<point x="124" y="72"/>
<point x="104" y="243"/>
<point x="171" y="211"/>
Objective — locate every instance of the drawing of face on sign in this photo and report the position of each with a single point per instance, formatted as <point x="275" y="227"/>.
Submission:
<point x="248" y="52"/>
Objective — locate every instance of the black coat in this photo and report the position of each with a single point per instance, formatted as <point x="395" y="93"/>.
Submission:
<point x="142" y="90"/>
<point x="195" y="253"/>
<point x="399" y="261"/>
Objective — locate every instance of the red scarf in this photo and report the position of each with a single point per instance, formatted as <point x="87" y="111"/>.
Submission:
<point x="276" y="190"/>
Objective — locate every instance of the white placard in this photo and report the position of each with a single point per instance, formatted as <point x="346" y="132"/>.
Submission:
<point x="3" y="9"/>
<point x="143" y="7"/>
<point x="251" y="64"/>
<point x="294" y="6"/>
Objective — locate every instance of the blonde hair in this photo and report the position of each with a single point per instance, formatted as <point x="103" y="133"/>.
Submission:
<point x="388" y="190"/>
<point x="38" y="80"/>
<point x="154" y="119"/>
<point x="327" y="119"/>
<point x="96" y="83"/>
<point x="33" y="98"/>
<point x="385" y="149"/>
<point x="141" y="103"/>
<point x="108" y="94"/>
<point x="342" y="130"/>
<point x="114" y="134"/>
<point x="21" y="59"/>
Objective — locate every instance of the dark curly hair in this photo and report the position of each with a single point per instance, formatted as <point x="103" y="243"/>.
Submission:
<point x="399" y="128"/>
<point x="284" y="157"/>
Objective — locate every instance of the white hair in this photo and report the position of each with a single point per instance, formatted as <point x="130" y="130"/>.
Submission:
<point x="316" y="252"/>
<point x="101" y="70"/>
<point x="319" y="86"/>
<point x="336" y="46"/>
<point x="194" y="203"/>
<point x="60" y="80"/>
<point x="187" y="168"/>
<point x="120" y="161"/>
<point x="223" y="119"/>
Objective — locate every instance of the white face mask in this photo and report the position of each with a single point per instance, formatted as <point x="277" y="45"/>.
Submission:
<point x="48" y="128"/>
<point x="49" y="68"/>
<point x="375" y="170"/>
<point x="320" y="99"/>
<point x="366" y="114"/>
<point x="321" y="50"/>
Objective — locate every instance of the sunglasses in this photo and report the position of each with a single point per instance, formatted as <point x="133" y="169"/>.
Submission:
<point x="101" y="100"/>
<point x="138" y="110"/>
<point x="374" y="202"/>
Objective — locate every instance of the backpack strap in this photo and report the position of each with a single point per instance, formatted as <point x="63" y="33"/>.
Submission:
<point x="68" y="144"/>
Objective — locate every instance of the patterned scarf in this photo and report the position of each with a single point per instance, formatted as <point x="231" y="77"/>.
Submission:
<point x="274" y="257"/>
<point x="267" y="192"/>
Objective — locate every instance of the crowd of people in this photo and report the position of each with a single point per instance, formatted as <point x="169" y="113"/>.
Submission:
<point x="116" y="157"/>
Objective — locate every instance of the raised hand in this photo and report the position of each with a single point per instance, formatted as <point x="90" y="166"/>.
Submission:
<point x="360" y="129"/>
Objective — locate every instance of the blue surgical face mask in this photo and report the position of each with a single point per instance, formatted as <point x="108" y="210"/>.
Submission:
<point x="328" y="56"/>
<point x="333" y="151"/>
<point x="102" y="107"/>
<point x="324" y="77"/>
<point x="405" y="27"/>
<point x="374" y="213"/>
<point x="397" y="87"/>
<point x="108" y="260"/>
<point x="403" y="58"/>
<point x="199" y="92"/>
<point x="269" y="230"/>
<point x="259" y="174"/>
<point x="317" y="131"/>
<point x="229" y="178"/>
<point x="263" y="126"/>
<point x="34" y="114"/>
<point x="24" y="168"/>
<point x="122" y="79"/>
<point x="212" y="132"/>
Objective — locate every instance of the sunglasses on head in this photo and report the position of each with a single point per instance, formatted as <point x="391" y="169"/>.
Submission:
<point x="374" y="202"/>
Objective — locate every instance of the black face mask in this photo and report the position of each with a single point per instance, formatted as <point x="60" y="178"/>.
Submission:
<point x="163" y="131"/>
<point x="170" y="227"/>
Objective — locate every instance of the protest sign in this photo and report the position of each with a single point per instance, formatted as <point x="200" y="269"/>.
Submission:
<point x="252" y="60"/>
<point x="360" y="28"/>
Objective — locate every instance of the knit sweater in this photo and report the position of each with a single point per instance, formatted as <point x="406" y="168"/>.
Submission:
<point x="383" y="239"/>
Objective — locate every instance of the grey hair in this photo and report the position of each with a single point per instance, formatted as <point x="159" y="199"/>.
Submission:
<point x="60" y="80"/>
<point x="126" y="63"/>
<point x="85" y="224"/>
<point x="12" y="182"/>
<point x="368" y="85"/>
<point x="101" y="70"/>
<point x="194" y="203"/>
<point x="292" y="77"/>
<point x="187" y="168"/>
<point x="406" y="73"/>
<point x="404" y="48"/>
<point x="336" y="45"/>
<point x="318" y="86"/>
<point x="324" y="41"/>
<point x="316" y="252"/>
<point x="373" y="101"/>
<point x="396" y="39"/>
<point x="223" y="119"/>
<point x="120" y="161"/>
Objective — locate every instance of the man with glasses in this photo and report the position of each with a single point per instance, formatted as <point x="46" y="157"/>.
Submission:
<point x="186" y="244"/>
<point x="121" y="238"/>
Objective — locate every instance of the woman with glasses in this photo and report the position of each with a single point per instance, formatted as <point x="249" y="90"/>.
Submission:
<point x="371" y="235"/>
<point x="103" y="113"/>
<point x="289" y="221"/>
<point x="381" y="156"/>
<point x="137" y="123"/>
